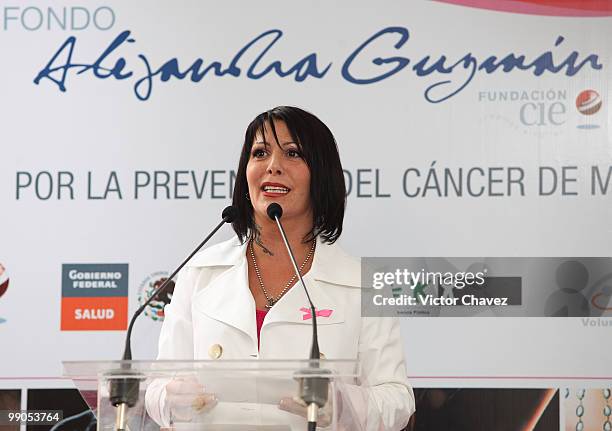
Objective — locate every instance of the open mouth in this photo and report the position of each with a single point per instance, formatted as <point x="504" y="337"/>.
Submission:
<point x="275" y="189"/>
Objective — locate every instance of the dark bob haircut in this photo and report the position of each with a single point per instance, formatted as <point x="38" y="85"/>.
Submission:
<point x="320" y="152"/>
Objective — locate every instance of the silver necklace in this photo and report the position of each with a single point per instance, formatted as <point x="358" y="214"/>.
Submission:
<point x="271" y="300"/>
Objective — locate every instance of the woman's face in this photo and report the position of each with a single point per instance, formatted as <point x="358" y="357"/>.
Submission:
<point x="276" y="172"/>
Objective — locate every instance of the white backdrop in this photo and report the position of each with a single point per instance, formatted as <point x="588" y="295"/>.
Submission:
<point x="98" y="125"/>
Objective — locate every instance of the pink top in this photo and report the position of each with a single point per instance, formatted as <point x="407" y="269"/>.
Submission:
<point x="260" y="315"/>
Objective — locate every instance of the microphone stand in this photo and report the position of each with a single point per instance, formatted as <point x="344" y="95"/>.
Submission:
<point x="313" y="390"/>
<point x="124" y="390"/>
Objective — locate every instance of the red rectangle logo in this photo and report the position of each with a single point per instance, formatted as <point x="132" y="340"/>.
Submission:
<point x="94" y="314"/>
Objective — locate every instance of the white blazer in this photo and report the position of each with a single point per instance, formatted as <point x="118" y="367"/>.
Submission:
<point x="212" y="305"/>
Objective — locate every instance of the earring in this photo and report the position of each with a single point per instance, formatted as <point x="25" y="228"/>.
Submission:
<point x="248" y="198"/>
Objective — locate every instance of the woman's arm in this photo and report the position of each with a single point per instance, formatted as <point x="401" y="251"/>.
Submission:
<point x="175" y="341"/>
<point x="384" y="399"/>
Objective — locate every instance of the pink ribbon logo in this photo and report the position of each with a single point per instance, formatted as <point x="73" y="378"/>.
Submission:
<point x="320" y="313"/>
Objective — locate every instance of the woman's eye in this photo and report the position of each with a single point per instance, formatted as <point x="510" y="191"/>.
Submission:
<point x="258" y="153"/>
<point x="294" y="154"/>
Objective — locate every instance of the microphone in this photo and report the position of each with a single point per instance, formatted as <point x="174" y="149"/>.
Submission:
<point x="313" y="390"/>
<point x="275" y="211"/>
<point x="124" y="388"/>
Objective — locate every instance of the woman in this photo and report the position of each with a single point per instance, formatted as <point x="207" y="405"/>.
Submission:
<point x="239" y="300"/>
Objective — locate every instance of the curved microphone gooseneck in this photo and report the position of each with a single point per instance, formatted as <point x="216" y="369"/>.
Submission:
<point x="124" y="390"/>
<point x="313" y="390"/>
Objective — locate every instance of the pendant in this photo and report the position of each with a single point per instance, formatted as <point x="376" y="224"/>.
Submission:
<point x="269" y="304"/>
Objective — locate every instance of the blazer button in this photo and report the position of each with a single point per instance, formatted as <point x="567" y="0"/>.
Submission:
<point x="215" y="351"/>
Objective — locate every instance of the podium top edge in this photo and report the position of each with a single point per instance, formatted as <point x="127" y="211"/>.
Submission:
<point x="159" y="368"/>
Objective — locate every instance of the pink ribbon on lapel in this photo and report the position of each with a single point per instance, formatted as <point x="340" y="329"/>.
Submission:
<point x="320" y="313"/>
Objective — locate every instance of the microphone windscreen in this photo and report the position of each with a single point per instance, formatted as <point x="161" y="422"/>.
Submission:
<point x="229" y="214"/>
<point x="274" y="210"/>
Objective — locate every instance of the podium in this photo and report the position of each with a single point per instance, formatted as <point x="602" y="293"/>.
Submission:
<point x="226" y="395"/>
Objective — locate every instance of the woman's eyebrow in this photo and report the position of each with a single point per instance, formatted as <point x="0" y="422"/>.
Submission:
<point x="267" y="143"/>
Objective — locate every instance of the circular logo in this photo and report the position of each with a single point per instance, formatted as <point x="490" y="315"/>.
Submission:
<point x="155" y="309"/>
<point x="4" y="280"/>
<point x="4" y="284"/>
<point x="588" y="102"/>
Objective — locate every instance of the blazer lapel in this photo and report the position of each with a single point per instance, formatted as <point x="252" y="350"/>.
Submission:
<point x="228" y="299"/>
<point x="333" y="266"/>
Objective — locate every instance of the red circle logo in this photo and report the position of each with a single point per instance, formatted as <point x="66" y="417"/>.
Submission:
<point x="588" y="102"/>
<point x="4" y="280"/>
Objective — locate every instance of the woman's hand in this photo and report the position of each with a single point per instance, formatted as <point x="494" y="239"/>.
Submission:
<point x="186" y="398"/>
